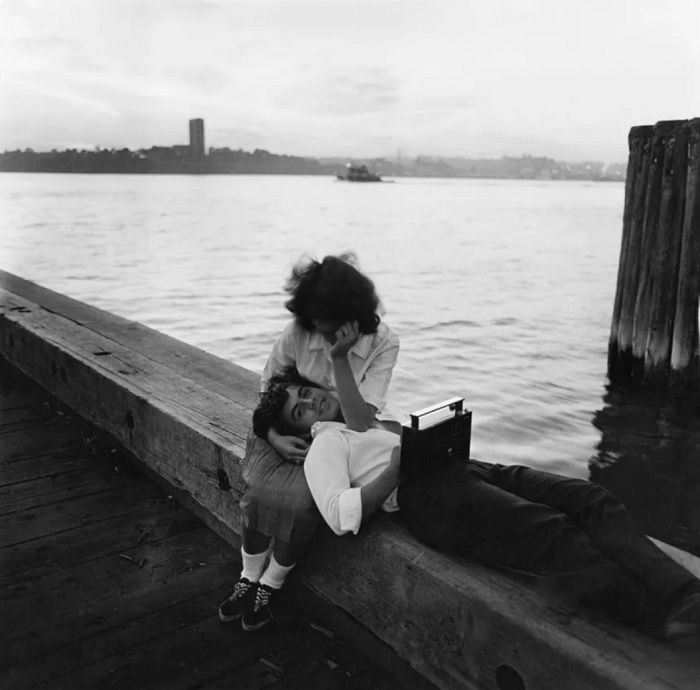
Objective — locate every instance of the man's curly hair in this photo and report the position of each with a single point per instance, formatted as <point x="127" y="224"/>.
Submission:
<point x="268" y="414"/>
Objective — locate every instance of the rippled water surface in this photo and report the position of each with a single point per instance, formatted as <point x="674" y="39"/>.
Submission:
<point x="501" y="291"/>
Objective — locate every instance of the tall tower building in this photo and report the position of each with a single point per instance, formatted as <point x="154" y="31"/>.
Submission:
<point x="197" y="137"/>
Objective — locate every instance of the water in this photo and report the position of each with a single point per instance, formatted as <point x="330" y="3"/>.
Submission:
<point x="500" y="290"/>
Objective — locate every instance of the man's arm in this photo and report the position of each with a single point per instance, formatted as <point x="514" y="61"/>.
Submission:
<point x="376" y="492"/>
<point x="342" y="505"/>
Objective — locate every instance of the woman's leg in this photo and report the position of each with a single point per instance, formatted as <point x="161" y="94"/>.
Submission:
<point x="255" y="542"/>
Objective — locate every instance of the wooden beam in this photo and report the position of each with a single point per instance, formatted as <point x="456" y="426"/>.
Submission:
<point x="185" y="415"/>
<point x="666" y="255"/>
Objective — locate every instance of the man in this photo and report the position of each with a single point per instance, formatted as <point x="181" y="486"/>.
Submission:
<point x="509" y="516"/>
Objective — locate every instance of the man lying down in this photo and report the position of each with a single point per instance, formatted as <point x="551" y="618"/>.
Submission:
<point x="506" y="516"/>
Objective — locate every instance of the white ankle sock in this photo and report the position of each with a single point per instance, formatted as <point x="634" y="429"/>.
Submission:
<point x="275" y="574"/>
<point x="253" y="565"/>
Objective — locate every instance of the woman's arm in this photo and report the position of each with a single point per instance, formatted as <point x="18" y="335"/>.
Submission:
<point x="357" y="413"/>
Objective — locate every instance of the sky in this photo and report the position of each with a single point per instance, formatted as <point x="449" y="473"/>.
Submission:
<point x="362" y="78"/>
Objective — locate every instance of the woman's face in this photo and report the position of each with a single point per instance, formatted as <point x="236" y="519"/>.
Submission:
<point x="327" y="328"/>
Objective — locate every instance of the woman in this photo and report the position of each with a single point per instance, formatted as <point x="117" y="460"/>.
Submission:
<point x="336" y="341"/>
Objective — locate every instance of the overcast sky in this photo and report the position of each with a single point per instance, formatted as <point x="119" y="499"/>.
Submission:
<point x="561" y="78"/>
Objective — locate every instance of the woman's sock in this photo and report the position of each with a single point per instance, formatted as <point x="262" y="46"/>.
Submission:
<point x="253" y="565"/>
<point x="275" y="574"/>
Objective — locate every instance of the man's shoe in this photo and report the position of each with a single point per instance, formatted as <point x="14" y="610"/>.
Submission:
<point x="684" y="618"/>
<point x="259" y="613"/>
<point x="242" y="597"/>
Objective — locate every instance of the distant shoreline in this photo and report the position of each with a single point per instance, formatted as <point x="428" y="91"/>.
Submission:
<point x="323" y="174"/>
<point x="179" y="160"/>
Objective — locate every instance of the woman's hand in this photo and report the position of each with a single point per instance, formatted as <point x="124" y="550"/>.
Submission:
<point x="291" y="448"/>
<point x="345" y="337"/>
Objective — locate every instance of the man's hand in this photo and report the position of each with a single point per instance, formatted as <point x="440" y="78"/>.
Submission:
<point x="291" y="448"/>
<point x="345" y="337"/>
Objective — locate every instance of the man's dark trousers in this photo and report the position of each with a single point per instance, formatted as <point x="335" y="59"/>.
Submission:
<point x="543" y="523"/>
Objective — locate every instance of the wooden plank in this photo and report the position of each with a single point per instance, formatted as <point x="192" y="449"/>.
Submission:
<point x="39" y="467"/>
<point x="84" y="543"/>
<point x="17" y="444"/>
<point x="198" y="651"/>
<point x="115" y="592"/>
<point x="42" y="521"/>
<point x="68" y="484"/>
<point x="491" y="621"/>
<point x="125" y="641"/>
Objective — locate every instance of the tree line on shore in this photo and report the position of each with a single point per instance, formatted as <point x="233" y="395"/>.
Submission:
<point x="179" y="160"/>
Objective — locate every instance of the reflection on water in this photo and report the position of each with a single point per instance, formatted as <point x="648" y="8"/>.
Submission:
<point x="649" y="456"/>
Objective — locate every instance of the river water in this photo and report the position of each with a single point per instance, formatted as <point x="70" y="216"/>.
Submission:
<point x="501" y="291"/>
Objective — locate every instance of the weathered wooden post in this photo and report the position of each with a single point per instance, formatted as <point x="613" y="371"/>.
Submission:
<point x="685" y="348"/>
<point x="654" y="332"/>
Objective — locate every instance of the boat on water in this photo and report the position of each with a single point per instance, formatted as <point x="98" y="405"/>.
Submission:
<point x="358" y="173"/>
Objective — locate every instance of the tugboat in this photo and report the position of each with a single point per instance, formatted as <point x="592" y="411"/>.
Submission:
<point x="358" y="173"/>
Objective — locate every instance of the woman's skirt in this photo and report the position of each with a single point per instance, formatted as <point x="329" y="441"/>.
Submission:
<point x="276" y="501"/>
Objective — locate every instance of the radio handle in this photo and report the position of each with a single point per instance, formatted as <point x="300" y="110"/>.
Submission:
<point x="455" y="404"/>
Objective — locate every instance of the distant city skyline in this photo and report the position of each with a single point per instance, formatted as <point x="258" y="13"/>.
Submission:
<point x="348" y="78"/>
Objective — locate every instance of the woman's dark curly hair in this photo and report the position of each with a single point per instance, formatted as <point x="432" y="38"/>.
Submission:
<point x="332" y="290"/>
<point x="268" y="413"/>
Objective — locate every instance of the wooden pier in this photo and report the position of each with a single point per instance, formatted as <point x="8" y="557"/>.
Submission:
<point x="184" y="414"/>
<point x="107" y="582"/>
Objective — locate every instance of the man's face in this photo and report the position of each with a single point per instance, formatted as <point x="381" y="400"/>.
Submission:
<point x="307" y="405"/>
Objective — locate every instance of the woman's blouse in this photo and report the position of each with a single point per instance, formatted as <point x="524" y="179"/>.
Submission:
<point x="372" y="359"/>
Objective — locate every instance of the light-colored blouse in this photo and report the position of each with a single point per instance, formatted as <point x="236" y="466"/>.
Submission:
<point x="372" y="359"/>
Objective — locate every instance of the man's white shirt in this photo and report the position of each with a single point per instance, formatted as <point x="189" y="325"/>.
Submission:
<point x="341" y="461"/>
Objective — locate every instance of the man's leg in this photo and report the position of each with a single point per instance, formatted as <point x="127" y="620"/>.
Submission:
<point x="458" y="510"/>
<point x="607" y="524"/>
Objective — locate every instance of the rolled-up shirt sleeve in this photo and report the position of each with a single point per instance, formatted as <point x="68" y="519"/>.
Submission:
<point x="326" y="470"/>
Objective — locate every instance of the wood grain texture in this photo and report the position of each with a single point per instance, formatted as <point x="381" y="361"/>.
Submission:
<point x="457" y="623"/>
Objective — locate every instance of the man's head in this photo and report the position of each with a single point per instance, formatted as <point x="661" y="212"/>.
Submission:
<point x="292" y="405"/>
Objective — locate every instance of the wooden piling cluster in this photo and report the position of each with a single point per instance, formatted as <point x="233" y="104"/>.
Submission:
<point x="654" y="333"/>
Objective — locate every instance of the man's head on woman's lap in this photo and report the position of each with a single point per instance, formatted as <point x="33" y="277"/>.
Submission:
<point x="292" y="404"/>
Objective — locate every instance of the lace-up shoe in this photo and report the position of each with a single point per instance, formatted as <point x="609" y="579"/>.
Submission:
<point x="243" y="596"/>
<point x="259" y="613"/>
